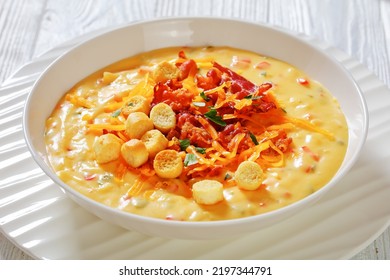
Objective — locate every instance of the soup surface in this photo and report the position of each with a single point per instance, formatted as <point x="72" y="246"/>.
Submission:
<point x="197" y="134"/>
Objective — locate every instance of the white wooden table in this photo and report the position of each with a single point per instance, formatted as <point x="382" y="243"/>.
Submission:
<point x="360" y="28"/>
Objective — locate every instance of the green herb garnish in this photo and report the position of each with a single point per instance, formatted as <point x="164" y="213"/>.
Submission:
<point x="200" y="150"/>
<point x="204" y="96"/>
<point x="190" y="159"/>
<point x="116" y="113"/>
<point x="184" y="144"/>
<point x="253" y="137"/>
<point x="227" y="176"/>
<point x="212" y="116"/>
<point x="250" y="96"/>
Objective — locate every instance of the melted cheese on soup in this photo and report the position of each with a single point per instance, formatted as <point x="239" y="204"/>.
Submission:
<point x="197" y="134"/>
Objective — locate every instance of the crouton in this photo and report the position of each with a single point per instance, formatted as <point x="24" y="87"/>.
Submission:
<point x="136" y="103"/>
<point x="107" y="148"/>
<point x="137" y="124"/>
<point x="207" y="192"/>
<point x="165" y="71"/>
<point x="134" y="153"/>
<point x="154" y="141"/>
<point x="168" y="164"/>
<point x="248" y="175"/>
<point x="163" y="117"/>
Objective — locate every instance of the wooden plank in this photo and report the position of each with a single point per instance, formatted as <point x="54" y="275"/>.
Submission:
<point x="18" y="36"/>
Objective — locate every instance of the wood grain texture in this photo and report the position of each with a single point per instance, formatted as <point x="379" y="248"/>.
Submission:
<point x="360" y="28"/>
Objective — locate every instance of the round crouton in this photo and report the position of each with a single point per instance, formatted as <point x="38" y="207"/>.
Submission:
<point x="165" y="71"/>
<point x="136" y="103"/>
<point x="248" y="175"/>
<point x="163" y="117"/>
<point x="168" y="164"/>
<point x="207" y="192"/>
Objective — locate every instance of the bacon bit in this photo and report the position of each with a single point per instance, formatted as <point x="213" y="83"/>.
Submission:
<point x="182" y="54"/>
<point x="188" y="69"/>
<point x="216" y="171"/>
<point x="303" y="81"/>
<point x="212" y="79"/>
<point x="311" y="153"/>
<point x="89" y="177"/>
<point x="238" y="81"/>
<point x="179" y="98"/>
<point x="262" y="65"/>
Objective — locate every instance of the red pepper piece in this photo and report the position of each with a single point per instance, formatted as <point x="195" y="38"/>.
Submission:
<point x="303" y="81"/>
<point x="89" y="177"/>
<point x="311" y="153"/>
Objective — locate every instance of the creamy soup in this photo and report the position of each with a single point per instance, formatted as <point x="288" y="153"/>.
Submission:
<point x="197" y="134"/>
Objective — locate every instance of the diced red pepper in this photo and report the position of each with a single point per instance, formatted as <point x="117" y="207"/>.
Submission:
<point x="303" y="81"/>
<point x="89" y="177"/>
<point x="242" y="62"/>
<point x="311" y="153"/>
<point x="262" y="65"/>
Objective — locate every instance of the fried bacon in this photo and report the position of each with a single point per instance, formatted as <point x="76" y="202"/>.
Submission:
<point x="227" y="93"/>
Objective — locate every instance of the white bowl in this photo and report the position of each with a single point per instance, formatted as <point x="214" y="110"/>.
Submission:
<point x="115" y="45"/>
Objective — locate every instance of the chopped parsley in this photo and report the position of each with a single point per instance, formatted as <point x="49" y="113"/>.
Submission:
<point x="200" y="150"/>
<point x="116" y="113"/>
<point x="250" y="96"/>
<point x="184" y="144"/>
<point x="253" y="137"/>
<point x="204" y="96"/>
<point x="212" y="116"/>
<point x="190" y="159"/>
<point x="227" y="177"/>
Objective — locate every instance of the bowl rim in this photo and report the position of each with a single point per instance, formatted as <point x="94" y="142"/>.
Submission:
<point x="196" y="224"/>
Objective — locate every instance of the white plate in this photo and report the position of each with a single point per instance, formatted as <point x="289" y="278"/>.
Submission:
<point x="45" y="223"/>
